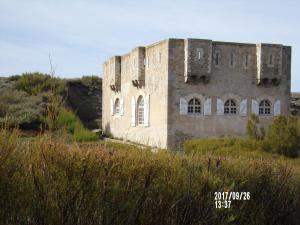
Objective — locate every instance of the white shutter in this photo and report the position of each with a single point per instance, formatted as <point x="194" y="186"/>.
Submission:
<point x="254" y="107"/>
<point x="121" y="106"/>
<point x="183" y="106"/>
<point x="277" y="108"/>
<point x="133" y="110"/>
<point x="146" y="110"/>
<point x="111" y="107"/>
<point x="243" y="108"/>
<point x="207" y="107"/>
<point x="220" y="107"/>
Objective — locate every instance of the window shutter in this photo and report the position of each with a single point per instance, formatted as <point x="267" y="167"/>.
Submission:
<point x="243" y="108"/>
<point x="183" y="106"/>
<point x="111" y="107"/>
<point x="277" y="108"/>
<point x="121" y="106"/>
<point x="146" y="110"/>
<point x="207" y="107"/>
<point x="254" y="107"/>
<point x="133" y="110"/>
<point x="220" y="107"/>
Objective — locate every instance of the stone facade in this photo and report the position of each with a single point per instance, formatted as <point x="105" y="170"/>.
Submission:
<point x="177" y="89"/>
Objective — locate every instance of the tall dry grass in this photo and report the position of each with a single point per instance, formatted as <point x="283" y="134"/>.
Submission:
<point x="45" y="182"/>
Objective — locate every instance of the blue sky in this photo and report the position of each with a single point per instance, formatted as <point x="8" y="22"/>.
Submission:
<point x="80" y="34"/>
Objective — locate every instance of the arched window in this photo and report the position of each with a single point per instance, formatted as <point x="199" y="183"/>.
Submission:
<point x="264" y="107"/>
<point x="117" y="107"/>
<point x="230" y="107"/>
<point x="194" y="106"/>
<point x="140" y="110"/>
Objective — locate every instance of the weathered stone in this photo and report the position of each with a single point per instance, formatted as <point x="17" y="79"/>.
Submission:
<point x="177" y="71"/>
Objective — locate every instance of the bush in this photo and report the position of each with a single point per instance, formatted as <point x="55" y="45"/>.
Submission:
<point x="82" y="134"/>
<point x="69" y="121"/>
<point x="206" y="144"/>
<point x="18" y="109"/>
<point x="283" y="136"/>
<point x="254" y="130"/>
<point x="46" y="182"/>
<point x="228" y="146"/>
<point x="35" y="83"/>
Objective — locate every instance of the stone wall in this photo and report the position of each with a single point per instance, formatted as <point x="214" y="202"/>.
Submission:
<point x="172" y="72"/>
<point x="228" y="80"/>
<point x="155" y="87"/>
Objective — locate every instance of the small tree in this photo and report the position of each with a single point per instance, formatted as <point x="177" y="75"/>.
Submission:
<point x="254" y="130"/>
<point x="283" y="136"/>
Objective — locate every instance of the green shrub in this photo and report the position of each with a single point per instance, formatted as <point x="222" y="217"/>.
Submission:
<point x="82" y="134"/>
<point x="283" y="136"/>
<point x="254" y="130"/>
<point x="18" y="109"/>
<point x="206" y="144"/>
<point x="35" y="83"/>
<point x="91" y="81"/>
<point x="46" y="182"/>
<point x="69" y="121"/>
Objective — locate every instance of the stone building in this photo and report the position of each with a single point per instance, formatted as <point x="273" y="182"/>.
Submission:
<point x="175" y="89"/>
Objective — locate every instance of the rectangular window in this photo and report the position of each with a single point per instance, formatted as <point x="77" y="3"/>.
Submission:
<point x="231" y="59"/>
<point x="217" y="58"/>
<point x="271" y="59"/>
<point x="247" y="60"/>
<point x="159" y="57"/>
<point x="199" y="55"/>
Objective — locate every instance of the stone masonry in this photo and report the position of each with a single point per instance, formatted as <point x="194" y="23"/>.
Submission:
<point x="176" y="89"/>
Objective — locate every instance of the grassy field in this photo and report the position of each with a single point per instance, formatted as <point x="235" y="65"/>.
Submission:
<point x="48" y="181"/>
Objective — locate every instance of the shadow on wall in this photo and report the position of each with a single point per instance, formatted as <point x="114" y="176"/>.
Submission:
<point x="107" y="131"/>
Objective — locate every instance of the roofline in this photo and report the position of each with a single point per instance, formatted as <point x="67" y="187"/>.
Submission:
<point x="195" y="39"/>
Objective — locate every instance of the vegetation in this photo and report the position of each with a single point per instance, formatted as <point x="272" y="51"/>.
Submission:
<point x="17" y="108"/>
<point x="36" y="83"/>
<point x="282" y="137"/>
<point x="70" y="122"/>
<point x="108" y="183"/>
<point x="32" y="101"/>
<point x="24" y="99"/>
<point x="64" y="178"/>
<point x="93" y="82"/>
<point x="254" y="130"/>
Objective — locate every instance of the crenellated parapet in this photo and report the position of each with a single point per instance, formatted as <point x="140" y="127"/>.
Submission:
<point x="269" y="63"/>
<point x="197" y="60"/>
<point x="138" y="66"/>
<point x="113" y="68"/>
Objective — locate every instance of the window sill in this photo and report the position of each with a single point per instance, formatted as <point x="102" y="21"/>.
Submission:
<point x="265" y="115"/>
<point x="194" y="115"/>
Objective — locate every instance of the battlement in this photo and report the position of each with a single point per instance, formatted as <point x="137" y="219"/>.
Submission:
<point x="269" y="63"/>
